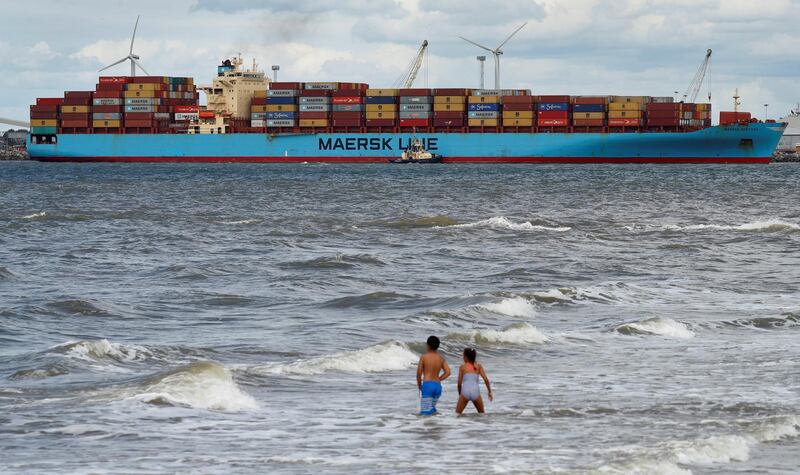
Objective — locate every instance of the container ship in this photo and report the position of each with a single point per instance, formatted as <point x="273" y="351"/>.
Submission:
<point x="250" y="118"/>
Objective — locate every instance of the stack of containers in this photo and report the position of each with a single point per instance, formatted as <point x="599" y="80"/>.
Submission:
<point x="518" y="111"/>
<point x="108" y="103"/>
<point x="730" y="118"/>
<point x="315" y="103"/>
<point x="280" y="105"/>
<point x="589" y="111"/>
<point x="483" y="107"/>
<point x="44" y="115"/>
<point x="76" y="110"/>
<point x="553" y="111"/>
<point x="627" y="111"/>
<point x="258" y="109"/>
<point x="415" y="107"/>
<point x="449" y="107"/>
<point x="663" y="112"/>
<point x="347" y="106"/>
<point x="702" y="115"/>
<point x="381" y="107"/>
<point x="150" y="101"/>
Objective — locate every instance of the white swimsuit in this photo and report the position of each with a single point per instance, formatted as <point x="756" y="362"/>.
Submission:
<point x="470" y="388"/>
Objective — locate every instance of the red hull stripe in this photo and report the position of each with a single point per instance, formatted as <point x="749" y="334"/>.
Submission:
<point x="386" y="160"/>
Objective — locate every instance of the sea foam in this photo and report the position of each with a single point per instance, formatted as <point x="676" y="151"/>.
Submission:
<point x="517" y="334"/>
<point x="772" y="225"/>
<point x="665" y="327"/>
<point x="513" y="307"/>
<point x="501" y="222"/>
<point x="388" y="356"/>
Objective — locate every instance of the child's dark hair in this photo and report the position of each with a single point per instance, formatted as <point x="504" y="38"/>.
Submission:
<point x="470" y="354"/>
<point x="433" y="342"/>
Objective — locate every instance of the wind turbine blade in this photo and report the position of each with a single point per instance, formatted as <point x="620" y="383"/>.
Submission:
<point x="114" y="64"/>
<point x="511" y="35"/>
<point x="140" y="66"/>
<point x="476" y="44"/>
<point x="134" y="33"/>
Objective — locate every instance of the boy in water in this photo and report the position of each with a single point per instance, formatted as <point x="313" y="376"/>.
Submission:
<point x="431" y="371"/>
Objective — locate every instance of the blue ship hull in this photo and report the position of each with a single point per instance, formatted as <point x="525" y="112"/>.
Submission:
<point x="752" y="143"/>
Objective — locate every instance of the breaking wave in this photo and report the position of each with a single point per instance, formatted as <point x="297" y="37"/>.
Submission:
<point x="40" y="373"/>
<point x="767" y="323"/>
<point x="103" y="351"/>
<point x="501" y="222"/>
<point x="772" y="225"/>
<point x="517" y="334"/>
<point x="201" y="385"/>
<point x="513" y="307"/>
<point x="40" y="214"/>
<point x="241" y="221"/>
<point x="388" y="356"/>
<point x="670" y="457"/>
<point x="666" y="327"/>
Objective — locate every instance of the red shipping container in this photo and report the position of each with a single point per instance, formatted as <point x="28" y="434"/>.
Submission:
<point x="45" y="108"/>
<point x="554" y="99"/>
<point x="286" y="85"/>
<point x="553" y="122"/>
<point x="557" y="115"/>
<point x="728" y="118"/>
<point x="414" y="122"/>
<point x="49" y="101"/>
<point x="451" y="92"/>
<point x="588" y="122"/>
<point x="139" y="123"/>
<point x="347" y="100"/>
<point x="663" y="122"/>
<point x="74" y="116"/>
<point x="138" y="115"/>
<point x="624" y="122"/>
<point x="380" y="122"/>
<point x="44" y="115"/>
<point x="415" y="92"/>
<point x="590" y="100"/>
<point x="348" y="93"/>
<point x="107" y="109"/>
<point x="107" y="94"/>
<point x="315" y="93"/>
<point x="77" y="101"/>
<point x="518" y="100"/>
<point x="518" y="107"/>
<point x="75" y="123"/>
<point x="258" y="101"/>
<point x="114" y="79"/>
<point x="347" y="122"/>
<point x="78" y="94"/>
<point x="663" y="114"/>
<point x="313" y="115"/>
<point x="149" y="79"/>
<point x="346" y="115"/>
<point x="454" y="122"/>
<point x="664" y="106"/>
<point x="186" y="109"/>
<point x="449" y="115"/>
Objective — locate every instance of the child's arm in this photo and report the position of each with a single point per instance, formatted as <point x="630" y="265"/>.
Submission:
<point x="446" y="369"/>
<point x="419" y="373"/>
<point x="486" y="380"/>
<point x="460" y="377"/>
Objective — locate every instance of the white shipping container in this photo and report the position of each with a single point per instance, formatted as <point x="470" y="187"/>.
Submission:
<point x="281" y="123"/>
<point x="187" y="116"/>
<point x="281" y="93"/>
<point x="258" y="123"/>
<point x="315" y="100"/>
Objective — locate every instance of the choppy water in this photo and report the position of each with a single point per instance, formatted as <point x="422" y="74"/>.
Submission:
<point x="236" y="318"/>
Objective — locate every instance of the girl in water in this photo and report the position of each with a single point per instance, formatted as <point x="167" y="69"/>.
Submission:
<point x="469" y="384"/>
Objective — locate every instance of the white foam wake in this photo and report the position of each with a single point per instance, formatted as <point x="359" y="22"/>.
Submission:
<point x="513" y="307"/>
<point x="389" y="356"/>
<point x="765" y="225"/>
<point x="201" y="385"/>
<point x="666" y="327"/>
<point x="242" y="221"/>
<point x="517" y="334"/>
<point x="501" y="222"/>
<point x="101" y="351"/>
<point x="40" y="214"/>
<point x="669" y="457"/>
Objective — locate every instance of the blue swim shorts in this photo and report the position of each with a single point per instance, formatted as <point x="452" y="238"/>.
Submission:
<point x="431" y="391"/>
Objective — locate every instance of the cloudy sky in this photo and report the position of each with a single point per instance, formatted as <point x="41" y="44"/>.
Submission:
<point x="632" y="47"/>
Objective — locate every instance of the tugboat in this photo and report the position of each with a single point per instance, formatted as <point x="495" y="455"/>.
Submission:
<point x="416" y="153"/>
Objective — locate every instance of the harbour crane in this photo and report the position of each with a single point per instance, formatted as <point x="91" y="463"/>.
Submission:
<point x="406" y="79"/>
<point x="697" y="82"/>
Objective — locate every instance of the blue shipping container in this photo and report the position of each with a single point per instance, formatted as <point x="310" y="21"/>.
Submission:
<point x="280" y="115"/>
<point x="553" y="106"/>
<point x="380" y="100"/>
<point x="483" y="107"/>
<point x="280" y="100"/>
<point x="589" y="108"/>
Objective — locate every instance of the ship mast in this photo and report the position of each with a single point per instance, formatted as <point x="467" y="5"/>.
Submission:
<point x="736" y="101"/>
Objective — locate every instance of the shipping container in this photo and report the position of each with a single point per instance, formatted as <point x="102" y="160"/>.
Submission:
<point x="142" y="101"/>
<point x="258" y="115"/>
<point x="415" y="115"/>
<point x="49" y="101"/>
<point x="257" y="108"/>
<point x="483" y="107"/>
<point x="315" y="100"/>
<point x="149" y="109"/>
<point x="76" y="101"/>
<point x="518" y="114"/>
<point x="663" y="122"/>
<point x="555" y="99"/>
<point x="347" y="122"/>
<point x="623" y="114"/>
<point x="106" y="116"/>
<point x="553" y="106"/>
<point x="281" y="100"/>
<point x="451" y="92"/>
<point x="482" y="122"/>
<point x="379" y="122"/>
<point x="315" y="107"/>
<point x="415" y="107"/>
<point x="44" y="115"/>
<point x="107" y="94"/>
<point x="281" y="123"/>
<point x="106" y="123"/>
<point x="347" y="108"/>
<point x="285" y="85"/>
<point x="449" y="99"/>
<point x="75" y="123"/>
<point x="380" y="107"/>
<point x="340" y="100"/>
<point x="44" y="123"/>
<point x="45" y="108"/>
<point x="138" y="116"/>
<point x="140" y="123"/>
<point x="635" y="99"/>
<point x="44" y="130"/>
<point x="589" y="108"/>
<point x="416" y="100"/>
<point x="624" y="106"/>
<point x="483" y="114"/>
<point x="187" y="109"/>
<point x="661" y="100"/>
<point x="588" y="115"/>
<point x="346" y="115"/>
<point x="282" y="108"/>
<point x="281" y="116"/>
<point x="391" y="115"/>
<point x="75" y="109"/>
<point x="413" y="92"/>
<point x="588" y="122"/>
<point x="184" y="116"/>
<point x="590" y="100"/>
<point x="456" y="107"/>
<point x="624" y="122"/>
<point x="312" y="115"/>
<point x="380" y="100"/>
<point x="313" y="122"/>
<point x="517" y="122"/>
<point x="74" y="116"/>
<point x="452" y="122"/>
<point x="485" y="99"/>
<point x="448" y="115"/>
<point x="114" y="79"/>
<point x="382" y="92"/>
<point x="413" y="122"/>
<point x="544" y="122"/>
<point x="326" y="86"/>
<point x="519" y="107"/>
<point x="280" y="93"/>
<point x="78" y="94"/>
<point x="107" y="101"/>
<point x="664" y="106"/>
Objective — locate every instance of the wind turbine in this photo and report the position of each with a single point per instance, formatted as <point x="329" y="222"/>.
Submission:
<point x="133" y="58"/>
<point x="496" y="52"/>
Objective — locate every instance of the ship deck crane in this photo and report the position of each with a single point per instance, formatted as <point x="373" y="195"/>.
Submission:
<point x="697" y="82"/>
<point x="406" y="79"/>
